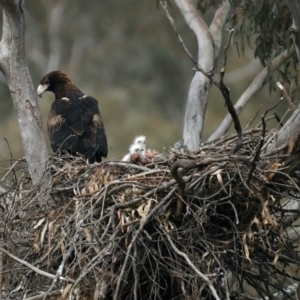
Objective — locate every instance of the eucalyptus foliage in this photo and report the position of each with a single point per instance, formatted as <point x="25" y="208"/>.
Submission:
<point x="264" y="27"/>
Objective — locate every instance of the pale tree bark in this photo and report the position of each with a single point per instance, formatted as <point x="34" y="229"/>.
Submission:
<point x="293" y="123"/>
<point x="13" y="66"/>
<point x="257" y="84"/>
<point x="217" y="25"/>
<point x="198" y="91"/>
<point x="209" y="43"/>
<point x="285" y="133"/>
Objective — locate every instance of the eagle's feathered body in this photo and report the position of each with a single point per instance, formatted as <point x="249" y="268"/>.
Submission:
<point x="74" y="122"/>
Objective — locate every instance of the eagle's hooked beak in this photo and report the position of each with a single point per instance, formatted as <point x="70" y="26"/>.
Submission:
<point x="41" y="89"/>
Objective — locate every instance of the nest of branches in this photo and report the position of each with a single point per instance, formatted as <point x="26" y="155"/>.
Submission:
<point x="204" y="225"/>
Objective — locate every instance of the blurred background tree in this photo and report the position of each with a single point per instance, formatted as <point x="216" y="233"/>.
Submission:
<point x="128" y="57"/>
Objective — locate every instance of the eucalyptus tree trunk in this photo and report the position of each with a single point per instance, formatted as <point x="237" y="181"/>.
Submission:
<point x="209" y="42"/>
<point x="14" y="67"/>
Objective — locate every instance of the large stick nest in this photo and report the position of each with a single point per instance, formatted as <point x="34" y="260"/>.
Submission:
<point x="181" y="226"/>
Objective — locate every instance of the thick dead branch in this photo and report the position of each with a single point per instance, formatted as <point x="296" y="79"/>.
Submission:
<point x="284" y="135"/>
<point x="184" y="164"/>
<point x="286" y="95"/>
<point x="226" y="94"/>
<point x="30" y="266"/>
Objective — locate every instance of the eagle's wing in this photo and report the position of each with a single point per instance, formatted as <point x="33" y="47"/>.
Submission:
<point x="77" y="126"/>
<point x="64" y="125"/>
<point x="94" y="137"/>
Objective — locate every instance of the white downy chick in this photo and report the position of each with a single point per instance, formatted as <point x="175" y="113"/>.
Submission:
<point x="135" y="149"/>
<point x="141" y="139"/>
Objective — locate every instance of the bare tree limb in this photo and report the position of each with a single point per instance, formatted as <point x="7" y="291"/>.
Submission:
<point x="181" y="163"/>
<point x="243" y="72"/>
<point x="216" y="26"/>
<point x="286" y="95"/>
<point x="33" y="268"/>
<point x="226" y="94"/>
<point x="14" y="68"/>
<point x="286" y="132"/>
<point x="256" y="85"/>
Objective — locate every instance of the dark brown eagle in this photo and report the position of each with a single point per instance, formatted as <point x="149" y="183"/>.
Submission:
<point x="74" y="122"/>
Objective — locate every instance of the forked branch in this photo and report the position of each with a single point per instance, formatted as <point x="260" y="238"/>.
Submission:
<point x="195" y="95"/>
